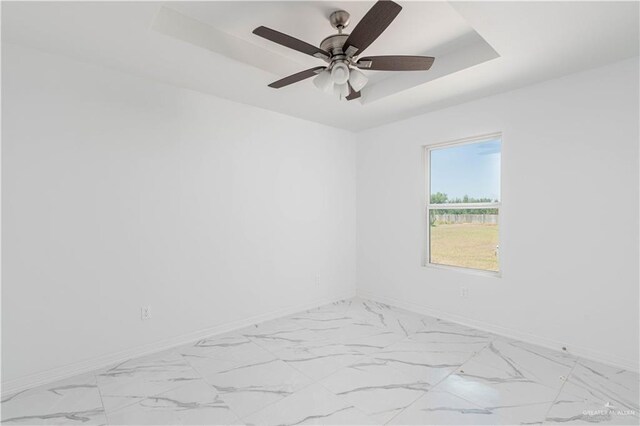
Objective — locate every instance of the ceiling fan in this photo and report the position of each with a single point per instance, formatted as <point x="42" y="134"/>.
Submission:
<point x="342" y="75"/>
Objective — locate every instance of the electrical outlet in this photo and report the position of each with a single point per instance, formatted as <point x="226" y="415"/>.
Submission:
<point x="145" y="313"/>
<point x="464" y="292"/>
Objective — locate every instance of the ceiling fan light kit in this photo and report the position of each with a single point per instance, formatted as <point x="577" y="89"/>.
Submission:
<point x="357" y="79"/>
<point x="323" y="81"/>
<point x="340" y="73"/>
<point x="341" y="51"/>
<point x="341" y="90"/>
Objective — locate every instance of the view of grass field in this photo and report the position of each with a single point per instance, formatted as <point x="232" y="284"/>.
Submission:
<point x="467" y="245"/>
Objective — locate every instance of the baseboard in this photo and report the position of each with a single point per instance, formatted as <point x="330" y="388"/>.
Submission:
<point x="60" y="373"/>
<point x="578" y="351"/>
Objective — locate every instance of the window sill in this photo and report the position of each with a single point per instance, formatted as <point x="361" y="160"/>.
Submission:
<point x="469" y="271"/>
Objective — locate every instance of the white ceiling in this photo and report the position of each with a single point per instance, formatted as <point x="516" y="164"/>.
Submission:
<point x="222" y="28"/>
<point x="481" y="48"/>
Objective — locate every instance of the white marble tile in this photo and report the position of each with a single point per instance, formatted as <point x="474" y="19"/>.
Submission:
<point x="312" y="327"/>
<point x="440" y="410"/>
<point x="272" y="326"/>
<point x="598" y="384"/>
<point x="529" y="414"/>
<point x="312" y="405"/>
<point x="217" y="345"/>
<point x="336" y="307"/>
<point x="376" y="342"/>
<point x="379" y="390"/>
<point x="554" y="355"/>
<point x="495" y="389"/>
<point x="248" y="388"/>
<point x="405" y="324"/>
<point x="72" y="401"/>
<point x="456" y="335"/>
<point x="459" y="350"/>
<point x="572" y="409"/>
<point x="436" y="352"/>
<point x="314" y="318"/>
<point x="386" y="317"/>
<point x="527" y="361"/>
<point x="86" y="381"/>
<point x="421" y="360"/>
<point x="194" y="403"/>
<point x="374" y="313"/>
<point x="278" y="339"/>
<point x="229" y="359"/>
<point x="489" y="390"/>
<point x="136" y="379"/>
<point x="443" y="408"/>
<point x="320" y="360"/>
<point x="351" y="362"/>
<point x="351" y="332"/>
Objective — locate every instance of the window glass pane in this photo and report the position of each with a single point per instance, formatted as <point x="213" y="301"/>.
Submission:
<point x="467" y="238"/>
<point x="466" y="173"/>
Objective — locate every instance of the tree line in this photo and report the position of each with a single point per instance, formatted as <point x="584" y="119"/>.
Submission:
<point x="442" y="198"/>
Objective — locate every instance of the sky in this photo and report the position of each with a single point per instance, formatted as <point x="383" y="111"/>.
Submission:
<point x="471" y="169"/>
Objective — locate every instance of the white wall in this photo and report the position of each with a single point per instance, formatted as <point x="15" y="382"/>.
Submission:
<point x="118" y="192"/>
<point x="569" y="221"/>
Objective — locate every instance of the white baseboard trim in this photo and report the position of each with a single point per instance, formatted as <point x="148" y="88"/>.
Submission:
<point x="578" y="351"/>
<point x="22" y="383"/>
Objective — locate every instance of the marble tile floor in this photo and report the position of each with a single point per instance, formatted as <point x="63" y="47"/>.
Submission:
<point x="353" y="362"/>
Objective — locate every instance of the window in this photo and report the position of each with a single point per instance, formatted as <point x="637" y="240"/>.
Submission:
<point x="463" y="204"/>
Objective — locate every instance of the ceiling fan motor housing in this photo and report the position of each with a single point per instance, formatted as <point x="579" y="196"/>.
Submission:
<point x="333" y="44"/>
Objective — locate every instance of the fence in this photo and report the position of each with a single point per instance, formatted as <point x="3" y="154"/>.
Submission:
<point x="488" y="219"/>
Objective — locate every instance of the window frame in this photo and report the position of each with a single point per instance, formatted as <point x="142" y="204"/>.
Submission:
<point x="426" y="259"/>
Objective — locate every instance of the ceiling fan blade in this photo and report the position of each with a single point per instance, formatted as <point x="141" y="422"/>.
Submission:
<point x="294" y="78"/>
<point x="376" y="20"/>
<point x="291" y="42"/>
<point x="395" y="63"/>
<point x="352" y="94"/>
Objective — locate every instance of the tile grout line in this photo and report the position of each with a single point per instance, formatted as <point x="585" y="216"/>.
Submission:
<point x="311" y="383"/>
<point x="319" y="382"/>
<point x="420" y="396"/>
<point x="334" y="394"/>
<point x="222" y="396"/>
<point x="407" y="337"/>
<point x="241" y="418"/>
<point x="203" y="378"/>
<point x="551" y="404"/>
<point x="471" y="356"/>
<point x="560" y="390"/>
<point x="104" y="409"/>
<point x="142" y="398"/>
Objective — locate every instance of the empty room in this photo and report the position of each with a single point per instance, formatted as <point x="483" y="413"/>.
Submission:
<point x="320" y="212"/>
